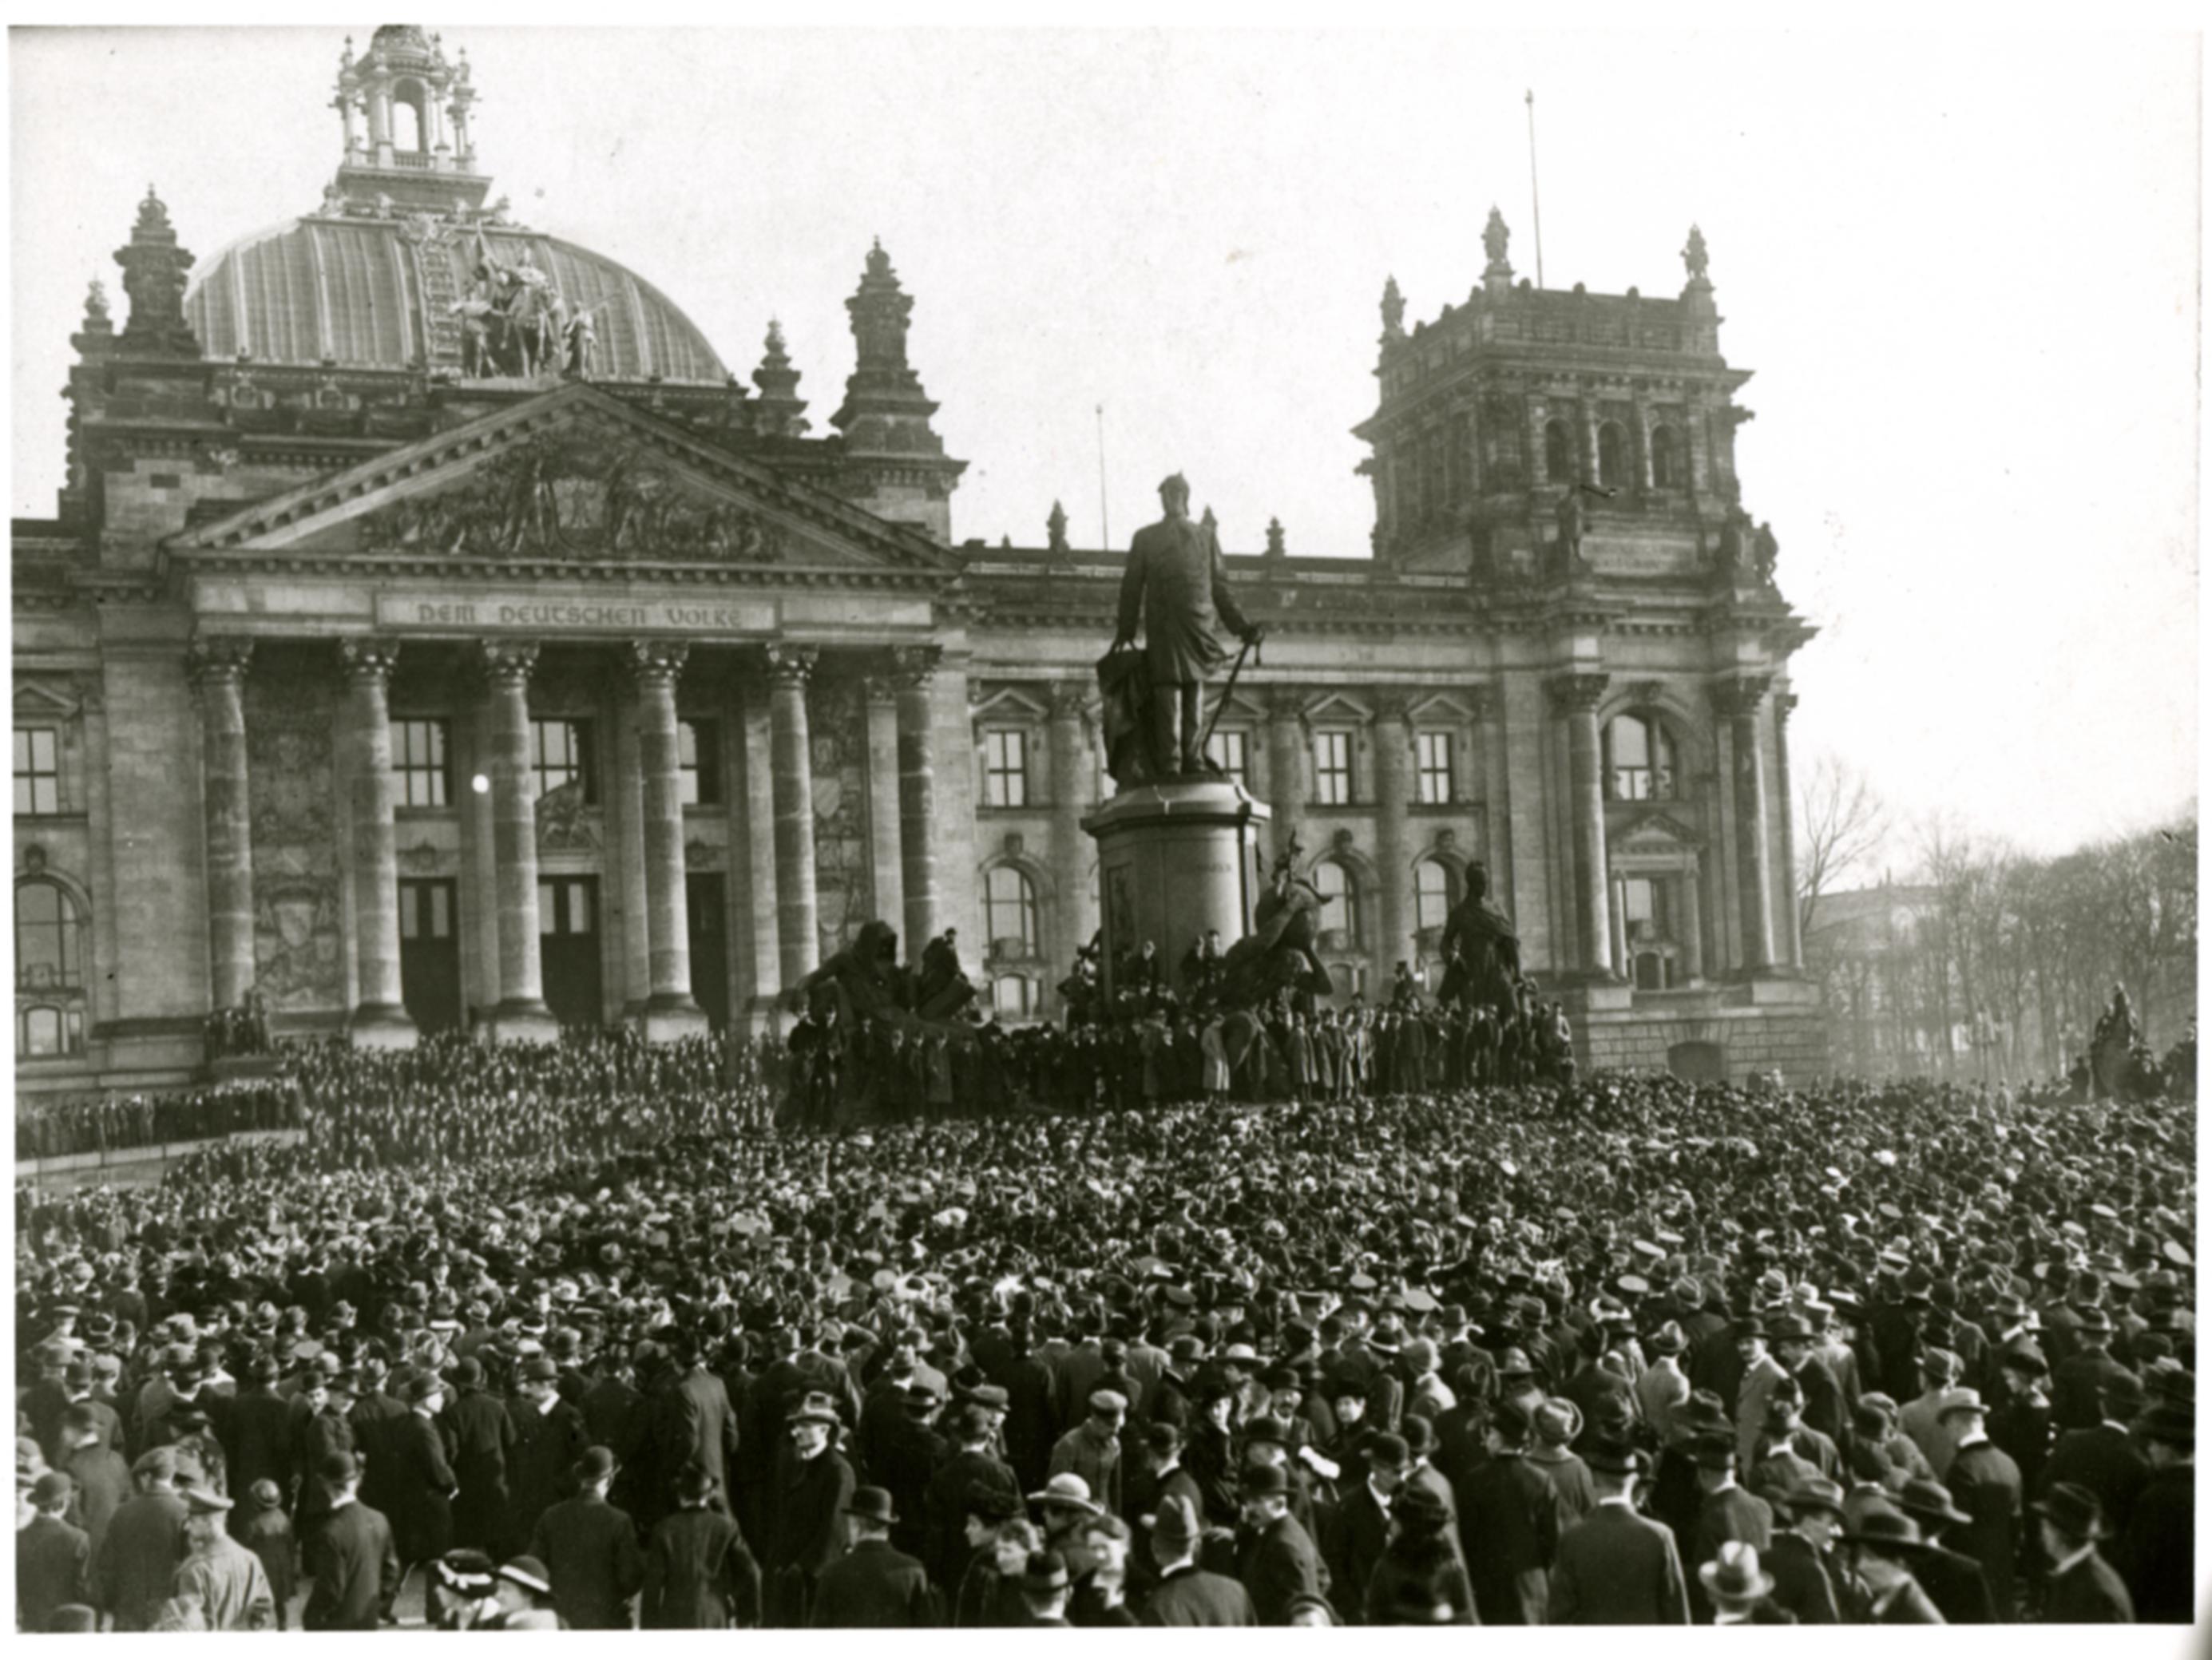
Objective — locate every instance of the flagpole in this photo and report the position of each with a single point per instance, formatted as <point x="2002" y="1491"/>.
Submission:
<point x="1105" y="533"/>
<point x="1535" y="203"/>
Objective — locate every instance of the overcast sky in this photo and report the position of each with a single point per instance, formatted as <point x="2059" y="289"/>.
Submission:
<point x="1964" y="269"/>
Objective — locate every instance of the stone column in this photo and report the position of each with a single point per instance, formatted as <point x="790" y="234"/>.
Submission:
<point x="670" y="1012"/>
<point x="792" y="760"/>
<point x="1737" y="697"/>
<point x="1537" y="413"/>
<point x="1784" y="703"/>
<point x="1623" y="965"/>
<point x="1576" y="697"/>
<point x="914" y="665"/>
<point x="1071" y="795"/>
<point x="1393" y="788"/>
<point x="217" y="667"/>
<point x="1586" y="424"/>
<point x="1286" y="762"/>
<point x="885" y="859"/>
<point x="521" y="1013"/>
<point x="380" y="1017"/>
<point x="1643" y="436"/>
<point x="1693" y="925"/>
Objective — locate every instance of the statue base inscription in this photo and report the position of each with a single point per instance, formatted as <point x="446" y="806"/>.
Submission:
<point x="1175" y="858"/>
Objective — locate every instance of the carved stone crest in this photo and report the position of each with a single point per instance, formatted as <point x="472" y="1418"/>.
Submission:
<point x="574" y="496"/>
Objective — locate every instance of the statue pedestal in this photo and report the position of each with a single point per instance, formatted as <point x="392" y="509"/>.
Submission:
<point x="1174" y="861"/>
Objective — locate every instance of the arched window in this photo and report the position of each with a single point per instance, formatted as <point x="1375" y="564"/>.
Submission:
<point x="1433" y="893"/>
<point x="1558" y="453"/>
<point x="1010" y="903"/>
<point x="1612" y="456"/>
<point x="1014" y="997"/>
<point x="1666" y="459"/>
<point x="407" y="123"/>
<point x="1340" y="899"/>
<point x="1639" y="759"/>
<point x="48" y="950"/>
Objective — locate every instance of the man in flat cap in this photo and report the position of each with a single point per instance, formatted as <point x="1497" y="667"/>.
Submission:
<point x="220" y="1585"/>
<point x="138" y="1561"/>
<point x="1175" y="583"/>
<point x="1092" y="1450"/>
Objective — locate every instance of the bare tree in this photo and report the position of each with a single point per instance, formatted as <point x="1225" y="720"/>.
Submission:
<point x="1841" y="825"/>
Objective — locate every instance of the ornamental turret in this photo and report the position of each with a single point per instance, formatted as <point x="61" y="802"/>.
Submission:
<point x="895" y="462"/>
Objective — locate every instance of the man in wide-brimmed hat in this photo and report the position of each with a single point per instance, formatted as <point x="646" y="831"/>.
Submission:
<point x="1885" y="1544"/>
<point x="2082" y="1589"/>
<point x="872" y="1586"/>
<point x="1811" y="1584"/>
<point x="2159" y="1544"/>
<point x="1615" y="1567"/>
<point x="813" y="1486"/>
<point x="1726" y="1512"/>
<point x="1955" y="1583"/>
<point x="1737" y="1588"/>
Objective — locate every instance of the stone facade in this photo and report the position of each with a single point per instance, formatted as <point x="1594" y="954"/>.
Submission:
<point x="604" y="691"/>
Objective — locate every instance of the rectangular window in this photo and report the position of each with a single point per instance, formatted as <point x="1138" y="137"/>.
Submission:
<point x="561" y="755"/>
<point x="37" y="771"/>
<point x="698" y="763"/>
<point x="418" y="762"/>
<point x="1226" y="750"/>
<point x="1644" y="900"/>
<point x="1005" y="769"/>
<point x="1332" y="768"/>
<point x="1432" y="764"/>
<point x="43" y="1031"/>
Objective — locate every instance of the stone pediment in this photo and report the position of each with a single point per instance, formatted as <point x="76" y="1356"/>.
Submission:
<point x="574" y="476"/>
<point x="1655" y="832"/>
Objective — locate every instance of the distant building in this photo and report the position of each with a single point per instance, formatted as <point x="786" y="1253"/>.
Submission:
<point x="433" y="631"/>
<point x="1869" y="951"/>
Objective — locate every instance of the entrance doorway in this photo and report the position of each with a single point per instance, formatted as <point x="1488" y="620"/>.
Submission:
<point x="430" y="955"/>
<point x="569" y="948"/>
<point x="1701" y="1063"/>
<point x="710" y="946"/>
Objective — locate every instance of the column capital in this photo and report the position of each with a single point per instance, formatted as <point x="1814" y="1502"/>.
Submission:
<point x="368" y="659"/>
<point x="1481" y="701"/>
<point x="1577" y="694"/>
<point x="791" y="666"/>
<point x="218" y="660"/>
<point x="880" y="686"/>
<point x="913" y="665"/>
<point x="1392" y="704"/>
<point x="508" y="662"/>
<point x="1067" y="700"/>
<point x="656" y="661"/>
<point x="1738" y="694"/>
<point x="1282" y="702"/>
<point x="1786" y="703"/>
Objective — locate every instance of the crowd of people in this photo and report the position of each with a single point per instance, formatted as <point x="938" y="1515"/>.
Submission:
<point x="1161" y="1038"/>
<point x="581" y="1337"/>
<point x="105" y="1124"/>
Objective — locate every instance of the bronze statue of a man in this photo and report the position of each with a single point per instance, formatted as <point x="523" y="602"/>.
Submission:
<point x="1175" y="582"/>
